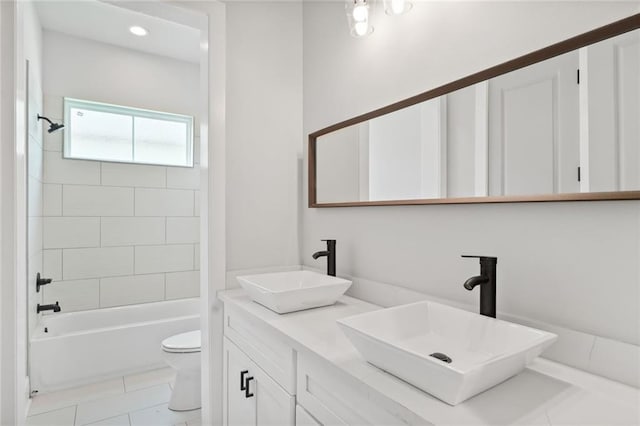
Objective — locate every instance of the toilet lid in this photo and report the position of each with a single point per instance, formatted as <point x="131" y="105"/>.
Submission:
<point x="184" y="342"/>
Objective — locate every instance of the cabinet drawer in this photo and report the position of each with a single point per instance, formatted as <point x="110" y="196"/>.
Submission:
<point x="333" y="399"/>
<point x="264" y="346"/>
<point x="251" y="397"/>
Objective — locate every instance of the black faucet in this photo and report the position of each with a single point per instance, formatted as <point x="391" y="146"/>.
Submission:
<point x="52" y="307"/>
<point x="487" y="281"/>
<point x="330" y="252"/>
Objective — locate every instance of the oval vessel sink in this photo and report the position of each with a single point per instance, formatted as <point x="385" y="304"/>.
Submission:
<point x="449" y="353"/>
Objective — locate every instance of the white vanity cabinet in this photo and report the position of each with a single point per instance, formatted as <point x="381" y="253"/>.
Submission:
<point x="251" y="396"/>
<point x="259" y="374"/>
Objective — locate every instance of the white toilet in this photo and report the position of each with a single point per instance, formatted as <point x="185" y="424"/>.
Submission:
<point x="182" y="353"/>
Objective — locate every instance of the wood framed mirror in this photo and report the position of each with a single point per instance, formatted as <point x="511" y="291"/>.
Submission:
<point x="558" y="124"/>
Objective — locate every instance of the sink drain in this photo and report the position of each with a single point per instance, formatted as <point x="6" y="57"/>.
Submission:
<point x="441" y="357"/>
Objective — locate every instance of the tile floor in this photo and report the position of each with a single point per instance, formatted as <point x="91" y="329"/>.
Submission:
<point x="135" y="400"/>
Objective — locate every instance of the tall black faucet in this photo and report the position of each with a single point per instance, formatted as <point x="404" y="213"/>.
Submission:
<point x="330" y="252"/>
<point x="487" y="281"/>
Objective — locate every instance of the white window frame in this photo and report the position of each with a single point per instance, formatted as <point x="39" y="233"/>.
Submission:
<point x="129" y="112"/>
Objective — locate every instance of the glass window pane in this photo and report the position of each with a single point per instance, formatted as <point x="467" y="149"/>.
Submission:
<point x="100" y="135"/>
<point x="161" y="142"/>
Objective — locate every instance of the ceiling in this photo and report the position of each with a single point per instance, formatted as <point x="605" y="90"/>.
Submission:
<point x="107" y="23"/>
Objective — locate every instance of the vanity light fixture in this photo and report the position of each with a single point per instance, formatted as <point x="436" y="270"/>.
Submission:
<point x="138" y="31"/>
<point x="359" y="17"/>
<point x="397" y="7"/>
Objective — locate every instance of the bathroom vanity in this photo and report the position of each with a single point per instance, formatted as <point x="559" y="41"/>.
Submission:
<point x="300" y="369"/>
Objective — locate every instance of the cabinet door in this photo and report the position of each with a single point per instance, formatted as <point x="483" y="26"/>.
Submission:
<point x="251" y="396"/>
<point x="303" y="418"/>
<point x="239" y="409"/>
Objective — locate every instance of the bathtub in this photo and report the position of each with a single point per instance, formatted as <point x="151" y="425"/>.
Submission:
<point x="89" y="346"/>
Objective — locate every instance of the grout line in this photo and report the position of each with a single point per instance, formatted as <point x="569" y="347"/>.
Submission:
<point x="75" y="415"/>
<point x="129" y="418"/>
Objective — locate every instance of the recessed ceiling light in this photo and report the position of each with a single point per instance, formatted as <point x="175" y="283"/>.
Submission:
<point x="139" y="31"/>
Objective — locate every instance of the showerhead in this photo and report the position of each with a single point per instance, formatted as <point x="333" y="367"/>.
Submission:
<point x="52" y="126"/>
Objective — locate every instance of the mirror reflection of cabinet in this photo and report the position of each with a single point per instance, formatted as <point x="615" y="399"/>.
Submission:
<point x="565" y="126"/>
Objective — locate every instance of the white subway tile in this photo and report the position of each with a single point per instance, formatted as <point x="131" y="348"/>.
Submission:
<point x="183" y="284"/>
<point x="196" y="256"/>
<point x="164" y="202"/>
<point x="151" y="259"/>
<point x="116" y="174"/>
<point x="196" y="203"/>
<point x="183" y="230"/>
<point x="132" y="289"/>
<point x="63" y="170"/>
<point x="52" y="199"/>
<point x="183" y="177"/>
<point x="81" y="200"/>
<point x="123" y="231"/>
<point x="616" y="360"/>
<point x="76" y="295"/>
<point x="70" y="232"/>
<point x="97" y="262"/>
<point x="52" y="264"/>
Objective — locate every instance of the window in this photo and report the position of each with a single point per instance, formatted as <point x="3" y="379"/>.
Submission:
<point x="103" y="132"/>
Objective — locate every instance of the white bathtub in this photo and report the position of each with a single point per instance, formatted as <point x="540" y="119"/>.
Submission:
<point x="85" y="347"/>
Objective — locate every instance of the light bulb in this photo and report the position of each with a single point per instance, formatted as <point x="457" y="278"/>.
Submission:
<point x="361" y="28"/>
<point x="360" y="12"/>
<point x="397" y="6"/>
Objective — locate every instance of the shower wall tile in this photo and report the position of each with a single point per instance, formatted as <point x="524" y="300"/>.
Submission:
<point x="132" y="289"/>
<point x="165" y="258"/>
<point x="78" y="295"/>
<point x="52" y="264"/>
<point x="183" y="177"/>
<point x="127" y="231"/>
<point x="63" y="170"/>
<point x="97" y="262"/>
<point x="183" y="284"/>
<point x="120" y="174"/>
<point x="183" y="230"/>
<point x="71" y="232"/>
<point x="82" y="200"/>
<point x="52" y="199"/>
<point x="164" y="202"/>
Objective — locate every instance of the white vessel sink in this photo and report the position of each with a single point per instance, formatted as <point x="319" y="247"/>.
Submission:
<point x="483" y="351"/>
<point x="285" y="292"/>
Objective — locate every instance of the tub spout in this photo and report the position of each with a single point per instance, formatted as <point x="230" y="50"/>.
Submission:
<point x="52" y="307"/>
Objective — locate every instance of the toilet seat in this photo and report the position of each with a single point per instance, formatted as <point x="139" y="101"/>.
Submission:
<point x="188" y="342"/>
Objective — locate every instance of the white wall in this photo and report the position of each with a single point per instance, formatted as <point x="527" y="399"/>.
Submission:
<point x="264" y="132"/>
<point x="117" y="234"/>
<point x="570" y="264"/>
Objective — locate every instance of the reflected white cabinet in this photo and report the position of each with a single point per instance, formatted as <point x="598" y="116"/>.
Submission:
<point x="251" y="396"/>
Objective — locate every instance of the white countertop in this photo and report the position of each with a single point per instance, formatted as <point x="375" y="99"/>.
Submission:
<point x="546" y="393"/>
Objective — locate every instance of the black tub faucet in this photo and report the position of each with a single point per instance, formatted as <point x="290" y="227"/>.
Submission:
<point x="52" y="307"/>
<point x="330" y="252"/>
<point x="487" y="282"/>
